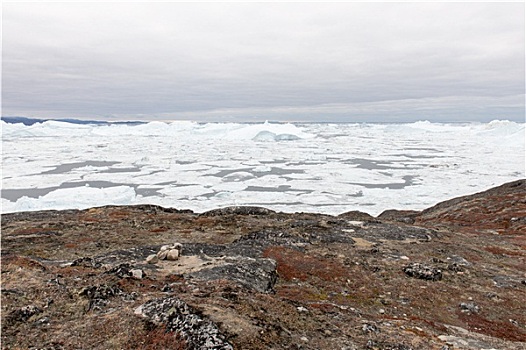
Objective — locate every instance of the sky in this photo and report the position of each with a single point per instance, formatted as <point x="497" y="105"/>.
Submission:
<point x="342" y="62"/>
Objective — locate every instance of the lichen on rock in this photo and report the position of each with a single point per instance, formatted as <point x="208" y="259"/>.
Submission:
<point x="177" y="316"/>
<point x="424" y="272"/>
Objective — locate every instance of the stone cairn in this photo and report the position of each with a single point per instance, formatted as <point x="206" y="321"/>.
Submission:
<point x="167" y="252"/>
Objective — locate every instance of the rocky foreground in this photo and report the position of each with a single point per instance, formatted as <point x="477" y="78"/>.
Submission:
<point x="449" y="277"/>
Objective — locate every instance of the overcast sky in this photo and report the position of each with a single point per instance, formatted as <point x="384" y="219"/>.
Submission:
<point x="257" y="61"/>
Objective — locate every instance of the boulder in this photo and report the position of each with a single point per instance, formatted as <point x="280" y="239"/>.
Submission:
<point x="137" y="274"/>
<point x="152" y="259"/>
<point x="422" y="271"/>
<point x="258" y="274"/>
<point x="161" y="255"/>
<point x="172" y="254"/>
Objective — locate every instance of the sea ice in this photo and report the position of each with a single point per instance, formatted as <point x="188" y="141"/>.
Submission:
<point x="328" y="168"/>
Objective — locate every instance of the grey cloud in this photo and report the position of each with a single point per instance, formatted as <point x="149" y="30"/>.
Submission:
<point x="272" y="60"/>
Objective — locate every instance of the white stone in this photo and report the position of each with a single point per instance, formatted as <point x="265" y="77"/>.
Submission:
<point x="179" y="247"/>
<point x="137" y="273"/>
<point x="138" y="311"/>
<point x="355" y="223"/>
<point x="302" y="309"/>
<point x="172" y="254"/>
<point x="152" y="259"/>
<point x="162" y="254"/>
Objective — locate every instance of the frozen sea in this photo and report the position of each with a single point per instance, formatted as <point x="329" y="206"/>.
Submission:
<point x="324" y="168"/>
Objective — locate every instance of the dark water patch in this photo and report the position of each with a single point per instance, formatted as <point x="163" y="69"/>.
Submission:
<point x="408" y="181"/>
<point x="305" y="163"/>
<point x="148" y="192"/>
<point x="272" y="171"/>
<point x="417" y="156"/>
<point x="173" y="184"/>
<point x="67" y="167"/>
<point x="210" y="195"/>
<point x="281" y="188"/>
<point x="278" y="171"/>
<point x="316" y="178"/>
<point x="150" y="173"/>
<point x="370" y="164"/>
<point x="13" y="195"/>
<point x="225" y="172"/>
<point x="332" y="136"/>
<point x="386" y="173"/>
<point x="357" y="194"/>
<point x="273" y="161"/>
<point x="121" y="170"/>
<point x="94" y="184"/>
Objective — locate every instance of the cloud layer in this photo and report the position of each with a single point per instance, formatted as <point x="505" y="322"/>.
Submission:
<point x="253" y="61"/>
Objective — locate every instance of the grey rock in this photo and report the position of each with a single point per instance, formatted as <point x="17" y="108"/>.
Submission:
<point x="460" y="261"/>
<point x="404" y="216"/>
<point x="376" y="232"/>
<point x="121" y="270"/>
<point x="422" y="271"/>
<point x="198" y="331"/>
<point x="23" y="314"/>
<point x="86" y="262"/>
<point x="178" y="247"/>
<point x="464" y="342"/>
<point x="44" y="321"/>
<point x="99" y="296"/>
<point x="214" y="250"/>
<point x="370" y="328"/>
<point x="469" y="307"/>
<point x="254" y="273"/>
<point x="100" y="292"/>
<point x="503" y="281"/>
<point x="356" y="215"/>
<point x="130" y="255"/>
<point x="239" y="210"/>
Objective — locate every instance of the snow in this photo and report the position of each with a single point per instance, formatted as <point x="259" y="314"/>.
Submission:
<point x="326" y="168"/>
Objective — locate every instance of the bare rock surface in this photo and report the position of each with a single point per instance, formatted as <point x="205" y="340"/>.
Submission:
<point x="448" y="277"/>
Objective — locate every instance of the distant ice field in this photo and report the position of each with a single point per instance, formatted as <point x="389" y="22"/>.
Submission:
<point x="323" y="168"/>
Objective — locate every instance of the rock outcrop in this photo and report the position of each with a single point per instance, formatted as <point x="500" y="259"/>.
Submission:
<point x="177" y="316"/>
